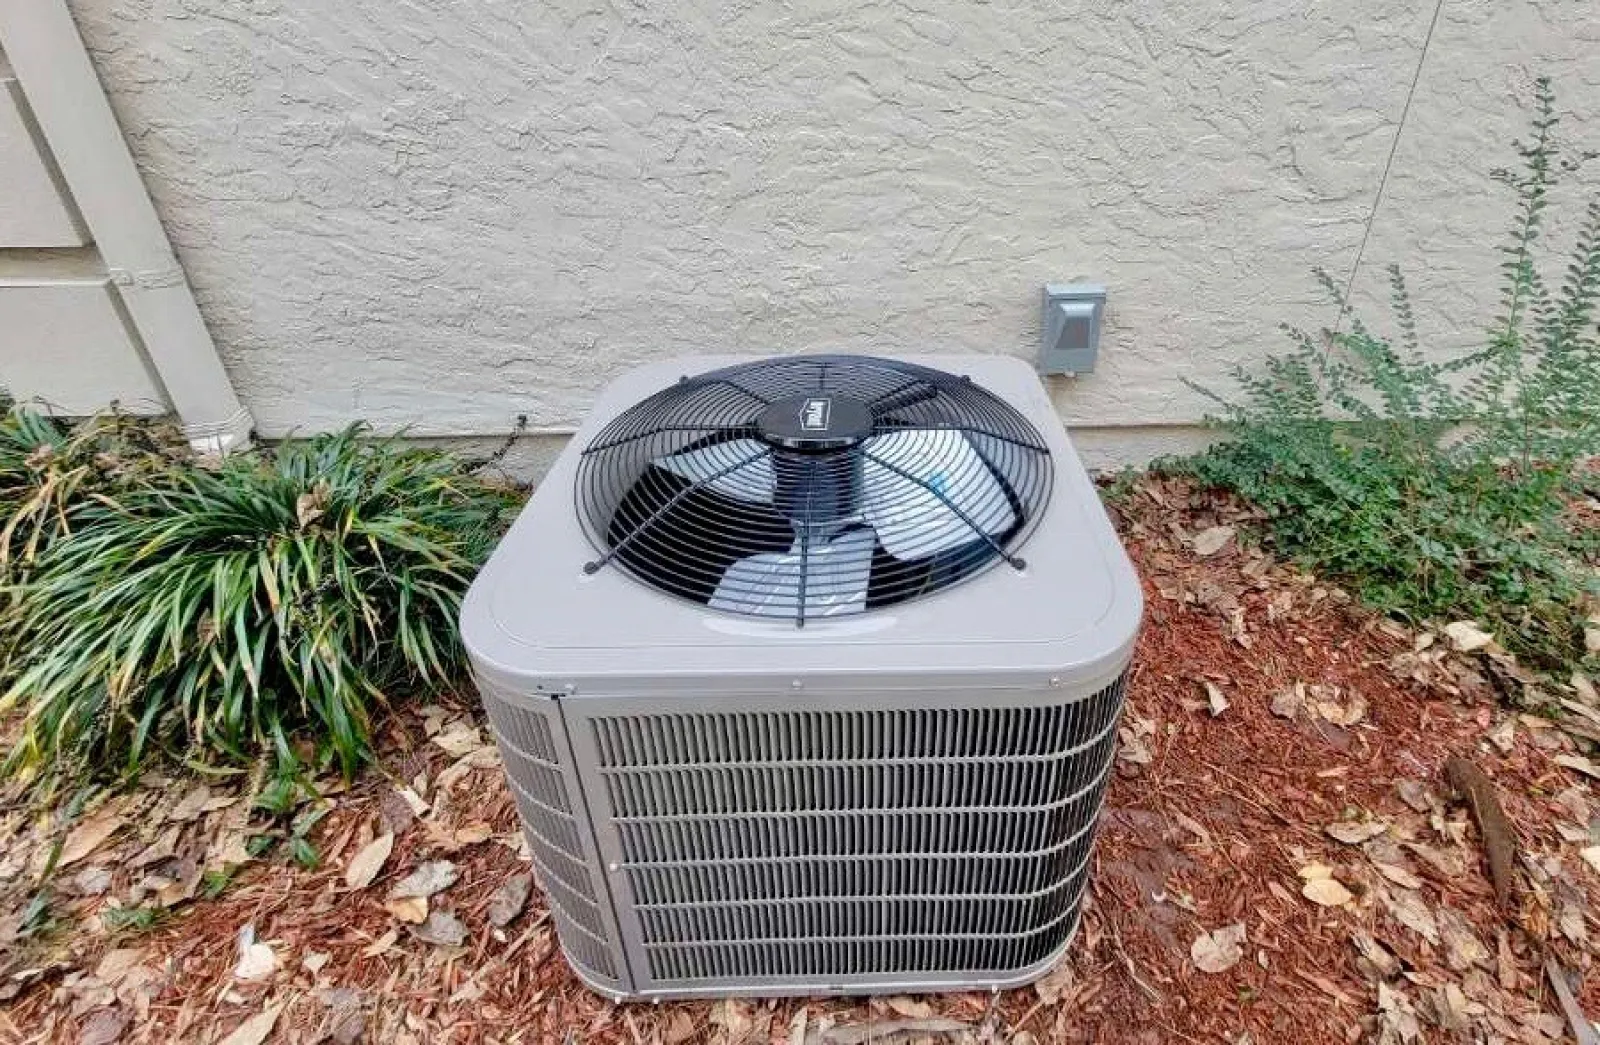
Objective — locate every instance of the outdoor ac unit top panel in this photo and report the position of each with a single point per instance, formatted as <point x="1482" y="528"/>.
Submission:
<point x="535" y="618"/>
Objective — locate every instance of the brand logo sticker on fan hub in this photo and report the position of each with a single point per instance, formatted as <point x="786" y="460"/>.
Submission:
<point x="814" y="414"/>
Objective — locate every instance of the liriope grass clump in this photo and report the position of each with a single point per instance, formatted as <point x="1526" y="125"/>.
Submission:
<point x="264" y="607"/>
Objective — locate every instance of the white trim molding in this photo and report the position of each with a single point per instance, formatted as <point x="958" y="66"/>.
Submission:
<point x="48" y="58"/>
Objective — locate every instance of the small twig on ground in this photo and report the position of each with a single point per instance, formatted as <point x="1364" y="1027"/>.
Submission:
<point x="1246" y="799"/>
<point x="1127" y="961"/>
<point x="1582" y="1029"/>
<point x="1499" y="842"/>
<point x="1023" y="1022"/>
<point x="527" y="933"/>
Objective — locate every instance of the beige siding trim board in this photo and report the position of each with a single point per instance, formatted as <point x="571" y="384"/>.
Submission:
<point x="72" y="325"/>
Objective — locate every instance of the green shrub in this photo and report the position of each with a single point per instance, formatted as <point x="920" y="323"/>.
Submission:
<point x="1440" y="488"/>
<point x="264" y="607"/>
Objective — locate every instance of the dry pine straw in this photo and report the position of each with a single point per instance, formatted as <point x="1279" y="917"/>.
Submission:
<point x="1212" y="830"/>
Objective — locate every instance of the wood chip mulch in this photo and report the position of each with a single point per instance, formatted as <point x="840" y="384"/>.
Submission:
<point x="1280" y="816"/>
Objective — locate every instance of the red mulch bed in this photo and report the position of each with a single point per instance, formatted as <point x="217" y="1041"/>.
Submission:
<point x="1212" y="828"/>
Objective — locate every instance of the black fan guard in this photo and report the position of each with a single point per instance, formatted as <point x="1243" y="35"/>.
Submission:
<point x="858" y="481"/>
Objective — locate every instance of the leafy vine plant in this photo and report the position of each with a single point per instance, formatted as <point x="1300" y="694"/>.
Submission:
<point x="1442" y="484"/>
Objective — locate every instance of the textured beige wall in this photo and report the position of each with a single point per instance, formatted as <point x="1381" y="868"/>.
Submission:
<point x="444" y="214"/>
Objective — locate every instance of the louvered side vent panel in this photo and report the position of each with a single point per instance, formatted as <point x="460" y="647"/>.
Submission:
<point x="552" y="821"/>
<point x="832" y="848"/>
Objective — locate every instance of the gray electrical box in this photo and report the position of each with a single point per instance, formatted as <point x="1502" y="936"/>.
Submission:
<point x="1070" y="327"/>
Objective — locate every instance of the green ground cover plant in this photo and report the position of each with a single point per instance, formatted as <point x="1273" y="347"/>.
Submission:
<point x="1443" y="486"/>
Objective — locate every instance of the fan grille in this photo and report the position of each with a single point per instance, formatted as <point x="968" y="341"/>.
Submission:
<point x="812" y="486"/>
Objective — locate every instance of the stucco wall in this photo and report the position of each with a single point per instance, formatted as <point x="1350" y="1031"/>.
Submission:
<point x="446" y="214"/>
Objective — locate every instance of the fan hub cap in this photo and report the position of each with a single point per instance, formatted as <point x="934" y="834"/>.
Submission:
<point x="815" y="422"/>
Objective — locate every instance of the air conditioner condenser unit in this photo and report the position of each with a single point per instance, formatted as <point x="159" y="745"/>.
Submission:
<point x="806" y="672"/>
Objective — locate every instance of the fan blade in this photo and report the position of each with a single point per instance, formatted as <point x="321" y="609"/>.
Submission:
<point x="836" y="576"/>
<point x="754" y="483"/>
<point x="926" y="491"/>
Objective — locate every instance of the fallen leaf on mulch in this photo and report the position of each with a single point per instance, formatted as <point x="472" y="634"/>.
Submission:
<point x="1215" y="701"/>
<point x="347" y="1021"/>
<point x="104" y="1026"/>
<point x="1397" y="1020"/>
<point x="1354" y="832"/>
<point x="1290" y="702"/>
<point x="256" y="960"/>
<point x="381" y="944"/>
<point x="114" y="964"/>
<point x="91" y="881"/>
<point x="1447" y="862"/>
<point x="1054" y="984"/>
<point x="909" y="1007"/>
<point x="1451" y="1010"/>
<point x="1133" y="747"/>
<point x="254" y="1031"/>
<point x="1581" y="764"/>
<point x="459" y="739"/>
<point x="733" y="1016"/>
<point x="509" y="900"/>
<point x="1383" y="963"/>
<point x="412" y="800"/>
<point x="413" y="910"/>
<point x="1591" y="856"/>
<point x="431" y="877"/>
<point x="1341" y="712"/>
<point x="366" y="864"/>
<point x="1410" y="910"/>
<point x="1463" y="950"/>
<point x="1573" y="925"/>
<point x="886" y="1031"/>
<point x="1466" y="636"/>
<point x="441" y="928"/>
<point x="1218" y="950"/>
<point x="1326" y="892"/>
<point x="1211" y="541"/>
<point x="1398" y="874"/>
<point x="1415" y="794"/>
<point x="90" y="834"/>
<point x="1504" y="735"/>
<point x="679" y="1029"/>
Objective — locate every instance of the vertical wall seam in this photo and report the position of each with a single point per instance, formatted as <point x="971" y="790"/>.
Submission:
<point x="1388" y="165"/>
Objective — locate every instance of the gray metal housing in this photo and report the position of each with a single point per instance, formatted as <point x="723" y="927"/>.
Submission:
<point x="902" y="800"/>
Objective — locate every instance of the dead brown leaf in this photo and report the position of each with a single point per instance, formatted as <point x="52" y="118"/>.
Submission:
<point x="413" y="910"/>
<point x="509" y="900"/>
<point x="1354" y="832"/>
<point x="1412" y="911"/>
<point x="88" y="835"/>
<point x="1219" y="950"/>
<point x="104" y="1026"/>
<point x="433" y="876"/>
<point x="442" y="929"/>
<point x="254" y="1031"/>
<point x="366" y="864"/>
